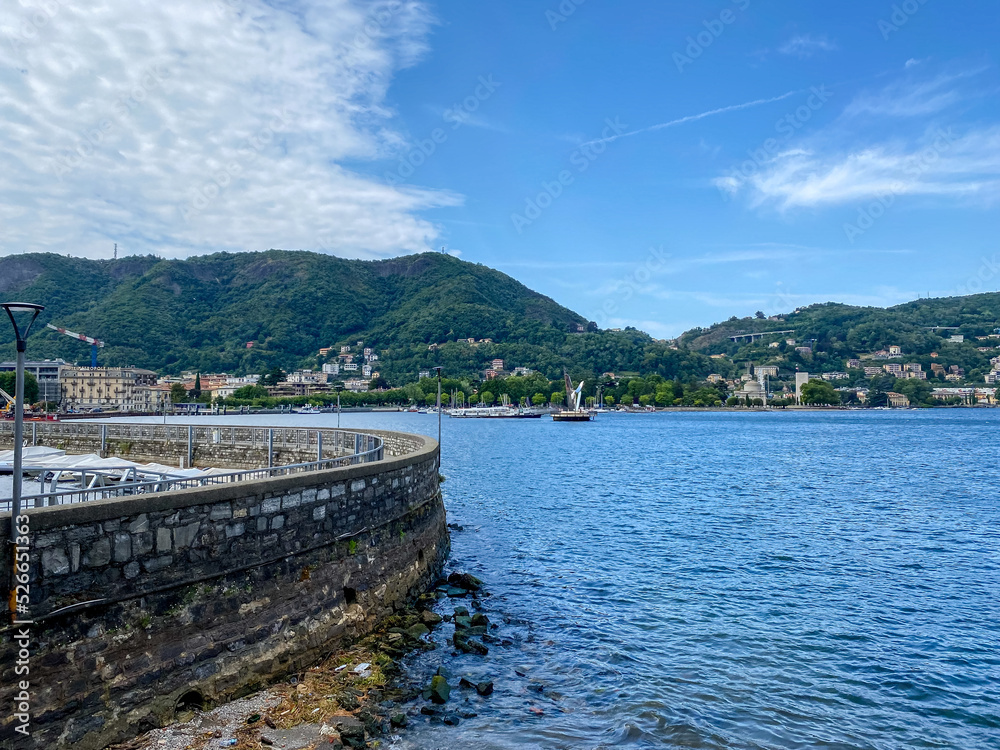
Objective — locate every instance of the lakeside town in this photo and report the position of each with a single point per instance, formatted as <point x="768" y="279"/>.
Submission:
<point x="351" y="372"/>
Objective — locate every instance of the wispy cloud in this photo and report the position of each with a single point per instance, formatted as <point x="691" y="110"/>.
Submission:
<point x="183" y="127"/>
<point x="912" y="97"/>
<point x="852" y="160"/>
<point x="695" y="118"/>
<point x="966" y="167"/>
<point x="806" y="45"/>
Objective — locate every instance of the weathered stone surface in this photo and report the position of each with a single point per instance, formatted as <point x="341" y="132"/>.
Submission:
<point x="440" y="689"/>
<point x="55" y="562"/>
<point x="98" y="554"/>
<point x="418" y="630"/>
<point x="163" y="540"/>
<point x="157" y="563"/>
<point x="184" y="536"/>
<point x="220" y="512"/>
<point x="430" y="618"/>
<point x="123" y="547"/>
<point x="209" y="610"/>
<point x="139" y="525"/>
<point x="277" y="522"/>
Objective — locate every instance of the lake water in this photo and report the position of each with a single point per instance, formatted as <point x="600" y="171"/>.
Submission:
<point x="724" y="580"/>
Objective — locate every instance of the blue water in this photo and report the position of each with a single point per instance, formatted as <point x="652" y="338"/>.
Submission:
<point x="717" y="580"/>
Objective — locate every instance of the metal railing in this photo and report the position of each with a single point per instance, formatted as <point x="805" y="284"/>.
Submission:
<point x="349" y="449"/>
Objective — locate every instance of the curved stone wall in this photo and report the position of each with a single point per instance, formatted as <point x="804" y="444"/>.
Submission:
<point x="216" y="591"/>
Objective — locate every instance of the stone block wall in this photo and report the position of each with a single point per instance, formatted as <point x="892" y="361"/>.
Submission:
<point x="214" y="591"/>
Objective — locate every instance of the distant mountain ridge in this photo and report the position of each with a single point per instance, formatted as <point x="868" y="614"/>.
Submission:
<point x="201" y="313"/>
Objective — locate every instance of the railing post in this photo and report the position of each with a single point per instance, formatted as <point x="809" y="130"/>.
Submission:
<point x="190" y="452"/>
<point x="104" y="440"/>
<point x="270" y="447"/>
<point x="34" y="433"/>
<point x="319" y="445"/>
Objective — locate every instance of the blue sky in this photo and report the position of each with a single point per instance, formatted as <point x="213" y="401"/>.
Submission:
<point x="655" y="164"/>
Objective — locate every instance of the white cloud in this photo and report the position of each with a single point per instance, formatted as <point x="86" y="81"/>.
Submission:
<point x="193" y="126"/>
<point x="912" y="98"/>
<point x="806" y="45"/>
<point x="940" y="164"/>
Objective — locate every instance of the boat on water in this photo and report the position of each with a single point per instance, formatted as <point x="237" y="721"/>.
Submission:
<point x="494" y="412"/>
<point x="504" y="411"/>
<point x="307" y="409"/>
<point x="573" y="397"/>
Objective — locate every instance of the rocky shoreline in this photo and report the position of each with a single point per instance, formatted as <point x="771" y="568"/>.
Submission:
<point x="358" y="696"/>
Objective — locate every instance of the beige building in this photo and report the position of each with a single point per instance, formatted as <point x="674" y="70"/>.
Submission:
<point x="112" y="389"/>
<point x="897" y="399"/>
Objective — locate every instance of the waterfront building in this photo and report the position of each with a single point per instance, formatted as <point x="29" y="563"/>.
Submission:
<point x="47" y="372"/>
<point x="897" y="399"/>
<point x="111" y="389"/>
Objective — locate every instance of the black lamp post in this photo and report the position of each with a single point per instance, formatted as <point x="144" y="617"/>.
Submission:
<point x="25" y="311"/>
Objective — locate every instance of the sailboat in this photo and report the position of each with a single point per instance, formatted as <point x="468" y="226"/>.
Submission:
<point x="573" y="398"/>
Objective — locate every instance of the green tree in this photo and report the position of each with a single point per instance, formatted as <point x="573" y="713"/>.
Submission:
<point x="178" y="394"/>
<point x="819" y="393"/>
<point x="610" y="400"/>
<point x="558" y="397"/>
<point x="487" y="397"/>
<point x="538" y="399"/>
<point x="195" y="393"/>
<point x="273" y="376"/>
<point x="250" y="393"/>
<point x="8" y="382"/>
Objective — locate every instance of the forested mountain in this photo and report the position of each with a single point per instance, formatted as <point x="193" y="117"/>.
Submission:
<point x="200" y="314"/>
<point x="924" y="329"/>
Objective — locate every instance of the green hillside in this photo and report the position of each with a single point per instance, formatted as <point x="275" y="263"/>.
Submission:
<point x="200" y="313"/>
<point x="835" y="333"/>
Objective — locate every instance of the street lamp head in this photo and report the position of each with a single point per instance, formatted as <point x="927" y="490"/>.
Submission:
<point x="20" y="308"/>
<point x="438" y="370"/>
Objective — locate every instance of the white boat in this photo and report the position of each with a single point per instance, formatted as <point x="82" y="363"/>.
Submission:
<point x="307" y="409"/>
<point x="494" y="412"/>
